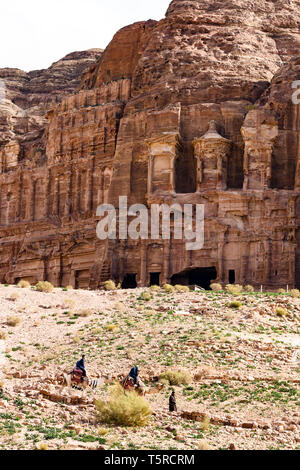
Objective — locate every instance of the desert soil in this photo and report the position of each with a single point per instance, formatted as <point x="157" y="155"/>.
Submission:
<point x="244" y="366"/>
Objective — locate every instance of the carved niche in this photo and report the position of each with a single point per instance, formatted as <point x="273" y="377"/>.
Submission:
<point x="211" y="152"/>
<point x="163" y="152"/>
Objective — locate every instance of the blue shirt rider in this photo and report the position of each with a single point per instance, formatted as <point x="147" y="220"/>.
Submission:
<point x="134" y="373"/>
<point x="81" y="365"/>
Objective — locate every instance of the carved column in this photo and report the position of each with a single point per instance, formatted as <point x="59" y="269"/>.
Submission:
<point x="166" y="262"/>
<point x="143" y="267"/>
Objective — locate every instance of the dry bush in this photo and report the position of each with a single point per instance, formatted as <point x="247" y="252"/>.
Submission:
<point x="203" y="445"/>
<point x="111" y="327"/>
<point x="248" y="288"/>
<point x="42" y="446"/>
<point x="13" y="320"/>
<point x="281" y="291"/>
<point x="123" y="409"/>
<point x="69" y="287"/>
<point x="295" y="293"/>
<point x="234" y="289"/>
<point x="182" y="289"/>
<point x="235" y="304"/>
<point x="14" y="296"/>
<point x="216" y="287"/>
<point x="175" y="377"/>
<point x="110" y="285"/>
<point x="102" y="431"/>
<point x="23" y="284"/>
<point x="168" y="288"/>
<point x="281" y="312"/>
<point x="85" y="313"/>
<point x="3" y="335"/>
<point x="155" y="288"/>
<point x="44" y="286"/>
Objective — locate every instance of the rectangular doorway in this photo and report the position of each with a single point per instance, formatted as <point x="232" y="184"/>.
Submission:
<point x="231" y="276"/>
<point x="154" y="279"/>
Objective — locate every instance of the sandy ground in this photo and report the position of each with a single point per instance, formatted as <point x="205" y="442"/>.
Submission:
<point x="247" y="363"/>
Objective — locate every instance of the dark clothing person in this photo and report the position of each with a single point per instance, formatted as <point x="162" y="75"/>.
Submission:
<point x="134" y="373"/>
<point x="80" y="365"/>
<point x="172" y="403"/>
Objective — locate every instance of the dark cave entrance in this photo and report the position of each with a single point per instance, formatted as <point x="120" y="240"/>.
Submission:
<point x="201" y="277"/>
<point x="154" y="279"/>
<point x="129" y="281"/>
<point x="231" y="276"/>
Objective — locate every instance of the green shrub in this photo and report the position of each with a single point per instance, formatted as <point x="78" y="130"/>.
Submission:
<point x="235" y="304"/>
<point x="176" y="377"/>
<point x="123" y="409"/>
<point x="181" y="289"/>
<point x="23" y="284"/>
<point x="44" y="286"/>
<point x="110" y="285"/>
<point x="145" y="296"/>
<point x="216" y="287"/>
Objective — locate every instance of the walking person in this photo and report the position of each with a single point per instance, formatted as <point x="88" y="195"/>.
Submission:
<point x="172" y="403"/>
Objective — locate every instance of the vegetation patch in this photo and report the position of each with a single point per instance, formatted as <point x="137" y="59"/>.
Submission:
<point x="123" y="409"/>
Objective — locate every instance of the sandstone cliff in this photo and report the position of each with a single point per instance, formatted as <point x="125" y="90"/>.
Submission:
<point x="194" y="108"/>
<point x="28" y="96"/>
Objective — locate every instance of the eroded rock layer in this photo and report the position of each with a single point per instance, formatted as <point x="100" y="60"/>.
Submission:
<point x="195" y="108"/>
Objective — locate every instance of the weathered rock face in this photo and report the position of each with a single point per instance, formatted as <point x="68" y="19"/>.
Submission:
<point x="195" y="108"/>
<point x="28" y="96"/>
<point x="42" y="87"/>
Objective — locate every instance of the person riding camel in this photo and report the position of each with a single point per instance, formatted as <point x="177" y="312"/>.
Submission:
<point x="134" y="374"/>
<point x="81" y="365"/>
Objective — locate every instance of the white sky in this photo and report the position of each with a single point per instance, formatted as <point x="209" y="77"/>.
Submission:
<point x="36" y="33"/>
